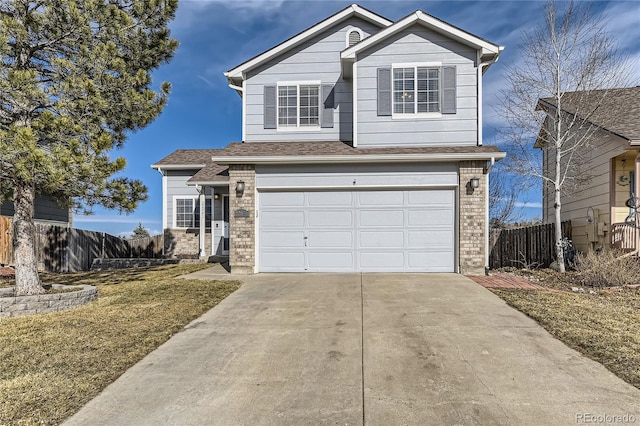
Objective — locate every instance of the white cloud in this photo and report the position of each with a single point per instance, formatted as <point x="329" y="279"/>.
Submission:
<point x="529" y="204"/>
<point x="113" y="219"/>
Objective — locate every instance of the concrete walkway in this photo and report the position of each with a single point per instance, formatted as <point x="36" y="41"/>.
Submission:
<point x="354" y="349"/>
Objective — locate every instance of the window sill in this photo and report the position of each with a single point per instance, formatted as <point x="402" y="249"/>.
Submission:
<point x="424" y="115"/>
<point x="299" y="129"/>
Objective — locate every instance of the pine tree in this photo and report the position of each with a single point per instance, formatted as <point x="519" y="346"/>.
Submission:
<point x="140" y="232"/>
<point x="74" y="81"/>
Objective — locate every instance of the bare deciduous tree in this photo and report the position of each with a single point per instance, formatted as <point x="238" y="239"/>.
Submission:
<point x="503" y="201"/>
<point x="570" y="66"/>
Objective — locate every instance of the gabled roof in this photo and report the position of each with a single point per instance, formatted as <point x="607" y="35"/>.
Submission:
<point x="237" y="73"/>
<point x="488" y="50"/>
<point x="614" y="110"/>
<point x="339" y="152"/>
<point x="211" y="173"/>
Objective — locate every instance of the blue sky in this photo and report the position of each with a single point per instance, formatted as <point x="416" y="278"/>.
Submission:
<point x="216" y="35"/>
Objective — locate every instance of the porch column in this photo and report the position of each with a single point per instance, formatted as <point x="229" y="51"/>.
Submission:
<point x="203" y="225"/>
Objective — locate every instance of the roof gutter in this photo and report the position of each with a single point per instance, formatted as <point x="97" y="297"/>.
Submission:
<point x="344" y="159"/>
<point x="160" y="167"/>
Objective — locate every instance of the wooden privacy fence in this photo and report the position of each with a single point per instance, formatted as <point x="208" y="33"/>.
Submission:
<point x="520" y="247"/>
<point x="61" y="249"/>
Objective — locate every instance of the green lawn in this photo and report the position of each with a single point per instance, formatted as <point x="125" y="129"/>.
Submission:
<point x="53" y="364"/>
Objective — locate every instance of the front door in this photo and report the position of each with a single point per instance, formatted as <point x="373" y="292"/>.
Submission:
<point x="225" y="218"/>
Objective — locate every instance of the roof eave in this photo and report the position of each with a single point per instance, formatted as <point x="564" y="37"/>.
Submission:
<point x="177" y="166"/>
<point x="486" y="48"/>
<point x="372" y="158"/>
<point x="239" y="71"/>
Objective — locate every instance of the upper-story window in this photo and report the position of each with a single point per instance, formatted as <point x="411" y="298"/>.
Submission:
<point x="298" y="105"/>
<point x="417" y="90"/>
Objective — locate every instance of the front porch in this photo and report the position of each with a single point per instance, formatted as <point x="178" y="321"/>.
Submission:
<point x="624" y="202"/>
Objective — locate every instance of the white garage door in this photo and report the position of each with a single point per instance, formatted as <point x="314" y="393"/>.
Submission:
<point x="353" y="231"/>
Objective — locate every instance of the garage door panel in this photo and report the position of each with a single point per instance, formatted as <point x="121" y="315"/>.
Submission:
<point x="436" y="238"/>
<point x="324" y="199"/>
<point x="381" y="261"/>
<point x="436" y="261"/>
<point x="282" y="199"/>
<point x="430" y="217"/>
<point x="331" y="239"/>
<point x="381" y="218"/>
<point x="282" y="219"/>
<point x="381" y="239"/>
<point x="429" y="198"/>
<point x="331" y="219"/>
<point x="331" y="261"/>
<point x="381" y="198"/>
<point x="277" y="239"/>
<point x="276" y="261"/>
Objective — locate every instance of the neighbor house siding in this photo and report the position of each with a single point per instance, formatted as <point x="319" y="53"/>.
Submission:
<point x="417" y="45"/>
<point x="315" y="60"/>
<point x="46" y="209"/>
<point x="595" y="194"/>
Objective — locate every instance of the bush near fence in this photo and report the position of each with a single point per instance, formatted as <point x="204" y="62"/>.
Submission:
<point x="525" y="247"/>
<point x="62" y="249"/>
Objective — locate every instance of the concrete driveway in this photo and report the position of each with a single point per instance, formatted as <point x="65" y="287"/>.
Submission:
<point x="352" y="349"/>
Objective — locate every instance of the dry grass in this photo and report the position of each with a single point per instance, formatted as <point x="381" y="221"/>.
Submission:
<point x="605" y="326"/>
<point x="53" y="364"/>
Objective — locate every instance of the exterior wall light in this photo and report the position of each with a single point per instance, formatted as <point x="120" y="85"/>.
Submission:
<point x="474" y="183"/>
<point x="216" y="196"/>
<point x="240" y="187"/>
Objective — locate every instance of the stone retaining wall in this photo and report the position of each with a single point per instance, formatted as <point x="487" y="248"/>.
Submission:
<point x="44" y="303"/>
<point x="110" y="264"/>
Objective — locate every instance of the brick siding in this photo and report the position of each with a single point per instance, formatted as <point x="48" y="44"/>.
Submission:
<point x="473" y="218"/>
<point x="242" y="237"/>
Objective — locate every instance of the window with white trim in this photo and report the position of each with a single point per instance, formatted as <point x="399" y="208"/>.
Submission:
<point x="416" y="89"/>
<point x="298" y="105"/>
<point x="187" y="212"/>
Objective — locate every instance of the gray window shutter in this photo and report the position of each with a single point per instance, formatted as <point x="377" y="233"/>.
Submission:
<point x="328" y="105"/>
<point x="449" y="89"/>
<point x="384" y="91"/>
<point x="270" y="116"/>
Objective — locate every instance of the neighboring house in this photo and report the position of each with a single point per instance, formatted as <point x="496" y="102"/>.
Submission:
<point x="362" y="151"/>
<point x="46" y="210"/>
<point x="598" y="211"/>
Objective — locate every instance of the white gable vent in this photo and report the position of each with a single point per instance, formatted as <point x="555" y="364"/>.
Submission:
<point x="354" y="36"/>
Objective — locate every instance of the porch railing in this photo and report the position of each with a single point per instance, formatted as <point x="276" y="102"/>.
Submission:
<point x="623" y="236"/>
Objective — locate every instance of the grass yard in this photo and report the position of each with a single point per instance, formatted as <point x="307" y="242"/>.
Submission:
<point x="53" y="364"/>
<point x="605" y="326"/>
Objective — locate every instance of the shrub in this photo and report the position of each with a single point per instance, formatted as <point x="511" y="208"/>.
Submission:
<point x="607" y="268"/>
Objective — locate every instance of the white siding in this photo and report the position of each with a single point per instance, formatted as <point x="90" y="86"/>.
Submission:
<point x="414" y="45"/>
<point x="177" y="187"/>
<point x="319" y="60"/>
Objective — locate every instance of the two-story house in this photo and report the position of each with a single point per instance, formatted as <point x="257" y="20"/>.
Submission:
<point x="361" y="151"/>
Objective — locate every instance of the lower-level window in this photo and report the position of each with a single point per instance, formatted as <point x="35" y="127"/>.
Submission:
<point x="188" y="213"/>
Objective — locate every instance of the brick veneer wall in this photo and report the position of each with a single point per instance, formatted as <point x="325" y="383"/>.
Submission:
<point x="185" y="242"/>
<point x="472" y="218"/>
<point x="242" y="229"/>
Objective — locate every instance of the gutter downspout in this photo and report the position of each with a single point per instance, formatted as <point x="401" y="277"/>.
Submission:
<point x="479" y="91"/>
<point x="201" y="201"/>
<point x="164" y="204"/>
<point x="487" y="169"/>
<point x="637" y="196"/>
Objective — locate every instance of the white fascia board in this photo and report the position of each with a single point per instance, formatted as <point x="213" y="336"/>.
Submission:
<point x="430" y="22"/>
<point x="374" y="158"/>
<point x="177" y="166"/>
<point x="354" y="9"/>
<point x="208" y="183"/>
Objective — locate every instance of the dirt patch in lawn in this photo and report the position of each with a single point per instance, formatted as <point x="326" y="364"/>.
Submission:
<point x="53" y="364"/>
